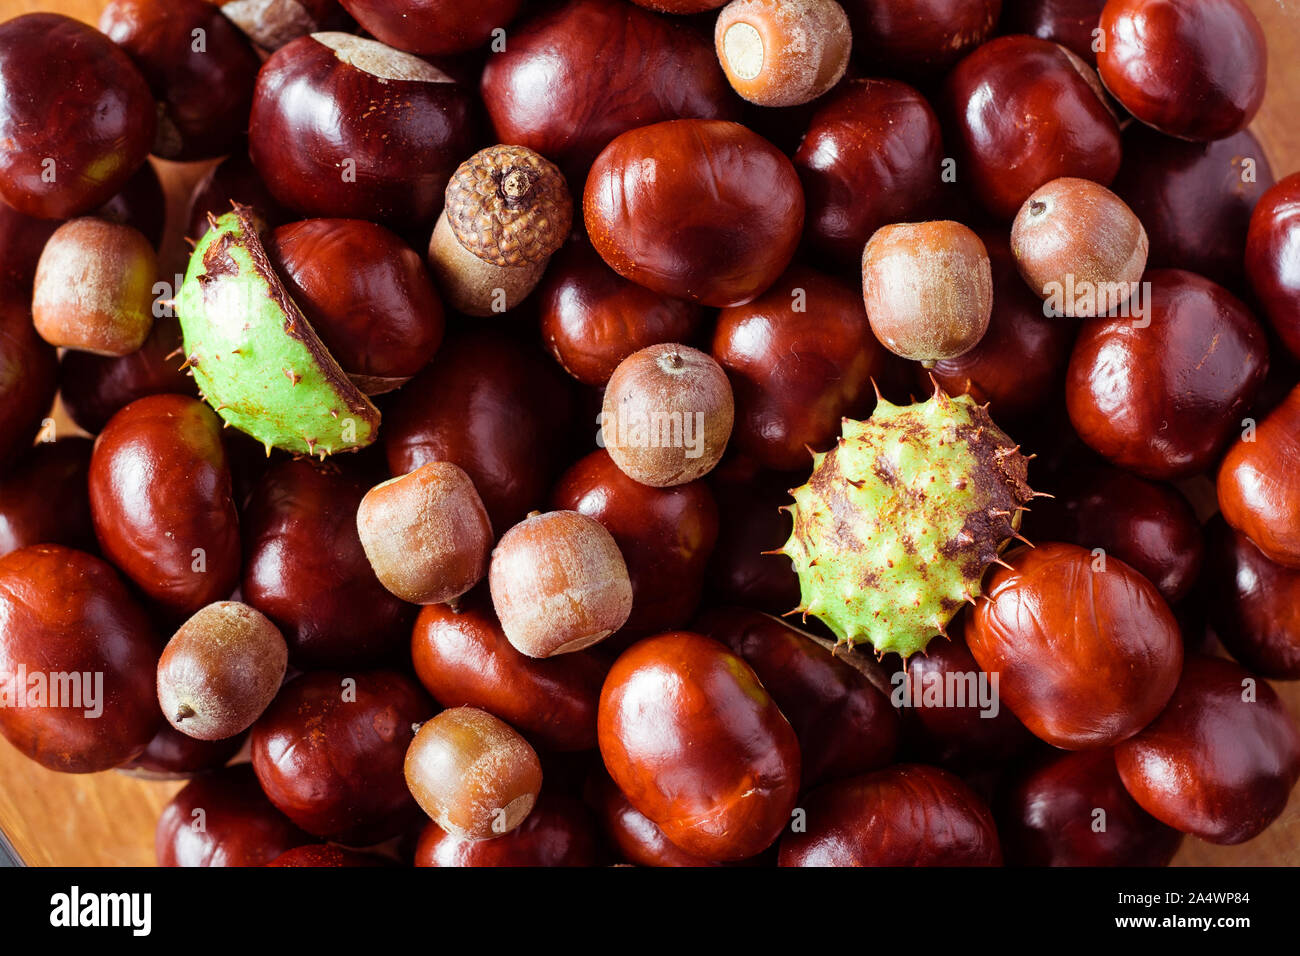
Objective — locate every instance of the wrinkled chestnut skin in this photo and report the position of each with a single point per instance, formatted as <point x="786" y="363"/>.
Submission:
<point x="70" y="95"/>
<point x="750" y="523"/>
<point x="494" y="408"/>
<point x="592" y="318"/>
<point x="559" y="831"/>
<point x="1259" y="484"/>
<point x="1019" y="114"/>
<point x="233" y="180"/>
<point x="240" y="826"/>
<point x="688" y="733"/>
<point x="172" y="755"/>
<point x="958" y="738"/>
<point x="665" y="534"/>
<point x="1273" y="259"/>
<point x="1191" y="70"/>
<point x="64" y="611"/>
<point x="1253" y="604"/>
<point x="1018" y="364"/>
<point x="436" y="27"/>
<point x="906" y="815"/>
<point x="1191" y="199"/>
<point x="1047" y="814"/>
<point x="205" y="94"/>
<point x="305" y="569"/>
<point x="796" y="374"/>
<point x="1213" y="764"/>
<point x="43" y="499"/>
<point x="871" y="156"/>
<point x="635" y="837"/>
<point x="312" y="112"/>
<point x="919" y="37"/>
<point x="159" y="489"/>
<point x="714" y="218"/>
<point x="845" y="725"/>
<point x="575" y="76"/>
<point x="365" y="292"/>
<point x="28" y="379"/>
<point x="1086" y="657"/>
<point x="94" y="388"/>
<point x="463" y="659"/>
<point x="1164" y="400"/>
<point x="334" y="765"/>
<point x="1149" y="526"/>
<point x="1067" y="22"/>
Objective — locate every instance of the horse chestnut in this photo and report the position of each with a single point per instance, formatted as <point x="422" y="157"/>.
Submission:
<point x="1253" y="604"/>
<point x="1259" y="484"/>
<point x="1273" y="259"/>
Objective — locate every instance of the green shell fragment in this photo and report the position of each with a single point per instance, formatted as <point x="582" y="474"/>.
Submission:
<point x="254" y="355"/>
<point x="898" y="523"/>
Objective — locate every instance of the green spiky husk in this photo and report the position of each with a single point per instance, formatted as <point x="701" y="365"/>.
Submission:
<point x="254" y="355"/>
<point x="896" y="526"/>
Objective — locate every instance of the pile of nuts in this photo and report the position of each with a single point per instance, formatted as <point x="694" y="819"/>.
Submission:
<point x="439" y="512"/>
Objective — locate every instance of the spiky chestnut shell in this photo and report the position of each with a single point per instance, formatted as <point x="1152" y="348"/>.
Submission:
<point x="254" y="355"/>
<point x="896" y="526"/>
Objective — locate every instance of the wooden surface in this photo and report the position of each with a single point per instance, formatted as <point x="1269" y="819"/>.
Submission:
<point x="107" y="819"/>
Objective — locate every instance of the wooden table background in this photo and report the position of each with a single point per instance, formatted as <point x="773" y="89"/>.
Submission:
<point x="107" y="819"/>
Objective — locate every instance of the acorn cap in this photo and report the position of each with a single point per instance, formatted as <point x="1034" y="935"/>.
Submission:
<point x="509" y="206"/>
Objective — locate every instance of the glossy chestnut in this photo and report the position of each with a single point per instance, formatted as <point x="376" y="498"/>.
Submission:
<point x="22" y="238"/>
<point x="28" y="379"/>
<point x="1070" y="809"/>
<point x="240" y="825"/>
<point x="141" y="204"/>
<point x="1071" y="23"/>
<point x="329" y="751"/>
<point x="326" y="855"/>
<point x="43" y="499"/>
<point x="750" y="524"/>
<point x="558" y="832"/>
<point x="76" y="116"/>
<point x="347" y="127"/>
<point x="1259" y="485"/>
<point x="872" y="155"/>
<point x="696" y="743"/>
<point x="436" y="27"/>
<point x="1161" y="391"/>
<point x="75" y="673"/>
<point x="919" y="37"/>
<point x="172" y="755"/>
<point x="704" y="210"/>
<point x="575" y="76"/>
<point x="680" y="6"/>
<point x="305" y="568"/>
<point x="1086" y="650"/>
<point x="1253" y="604"/>
<point x="633" y="835"/>
<point x="1195" y="71"/>
<point x="1273" y="259"/>
<point x="233" y="180"/>
<point x="203" y="86"/>
<point x="365" y="292"/>
<point x="1024" y="111"/>
<point x="906" y="815"/>
<point x="1222" y="759"/>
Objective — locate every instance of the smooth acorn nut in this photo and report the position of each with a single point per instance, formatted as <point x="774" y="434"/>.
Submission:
<point x="94" y="288"/>
<point x="667" y="415"/>
<point x="220" y="671"/>
<point x="472" y="773"/>
<point x="1077" y="243"/>
<point x="559" y="583"/>
<point x="426" y="534"/>
<point x="928" y="288"/>
<point x="782" y="52"/>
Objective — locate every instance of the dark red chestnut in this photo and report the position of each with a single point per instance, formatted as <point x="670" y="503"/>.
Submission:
<point x="77" y="656"/>
<point x="1192" y="70"/>
<point x="665" y="534"/>
<point x="1253" y="604"/>
<point x="872" y="155"/>
<point x="223" y="819"/>
<point x="634" y="836"/>
<point x="906" y="815"/>
<point x="329" y="753"/>
<point x="1070" y="809"/>
<point x="558" y="832"/>
<point x="76" y="117"/>
<point x="365" y="292"/>
<point x="464" y="659"/>
<point x="846" y="725"/>
<point x="492" y="407"/>
<point x="305" y="568"/>
<point x="575" y="76"/>
<point x="919" y="37"/>
<point x="28" y="379"/>
<point x="326" y="855"/>
<point x="1259" y="484"/>
<point x="161" y="500"/>
<point x="43" y="499"/>
<point x="1273" y="259"/>
<point x="1222" y="759"/>
<point x="270" y="24"/>
<point x="345" y="126"/>
<point x="434" y="27"/>
<point x="172" y="755"/>
<point x="696" y="209"/>
<point x="233" y="180"/>
<point x="751" y="524"/>
<point x="1085" y="648"/>
<point x="1024" y="111"/>
<point x="22" y="238"/>
<point x="689" y="734"/>
<point x="198" y="64"/>
<point x="1071" y="23"/>
<point x="1162" y="391"/>
<point x="141" y="204"/>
